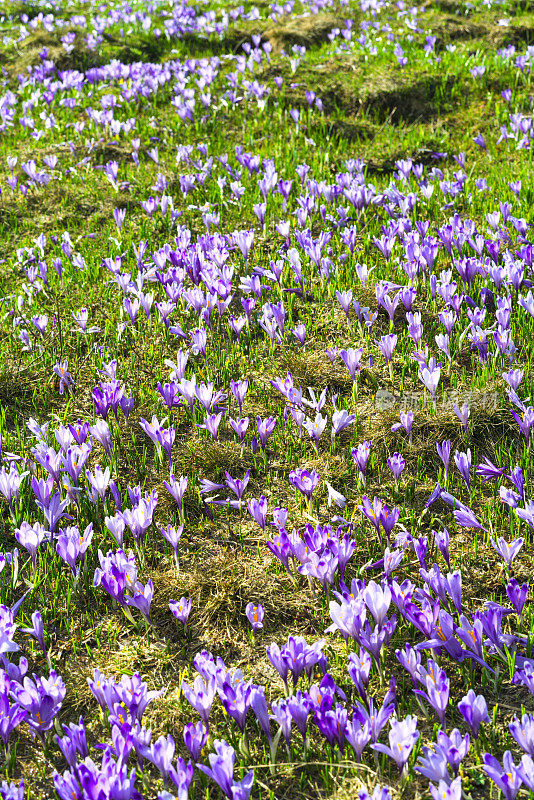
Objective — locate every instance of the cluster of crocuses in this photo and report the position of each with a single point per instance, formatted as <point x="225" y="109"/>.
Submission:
<point x="361" y="612"/>
<point x="186" y="287"/>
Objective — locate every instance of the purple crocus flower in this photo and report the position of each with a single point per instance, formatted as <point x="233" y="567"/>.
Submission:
<point x="240" y="427"/>
<point x="173" y="536"/>
<point x="396" y="463"/>
<point x="441" y="538"/>
<point x="463" y="462"/>
<point x="181" y="610"/>
<point x="341" y="420"/>
<point x="299" y="706"/>
<point x="331" y="352"/>
<point x="41" y="698"/>
<point x="91" y="777"/>
<point x="359" y="668"/>
<point x="239" y="390"/>
<point x="523" y="732"/>
<point x="265" y="429"/>
<point x="71" y="546"/>
<point x="465" y="517"/>
<point x="31" y="537"/>
<point x="10" y="482"/>
<point x="507" y="777"/>
<point x="526" y="772"/>
<point x="387" y="345"/>
<point x="463" y="414"/>
<point x="116" y="526"/>
<point x="280" y="548"/>
<point x="139" y="518"/>
<point x="378" y="599"/>
<point x="345" y="299"/>
<point x="517" y="595"/>
<point x="454" y="747"/>
<point x="430" y="378"/>
<point x="12" y="791"/>
<point x="142" y="598"/>
<point x="258" y="704"/>
<point x="61" y="370"/>
<point x="434" y="765"/>
<point x="195" y="738"/>
<point x="200" y="696"/>
<point x="211" y="424"/>
<point x="403" y="735"/>
<point x="488" y="471"/>
<point x="258" y="510"/>
<point x="37" y="630"/>
<point x="332" y="722"/>
<point x="306" y="482"/>
<point x="162" y="754"/>
<point x="221" y="771"/>
<point x="255" y="615"/>
<point x="282" y="715"/>
<point x="352" y="358"/>
<point x="444" y="452"/>
<point x="358" y="735"/>
<point x="11" y="713"/>
<point x="445" y="791"/>
<point x="415" y="327"/>
<point x="101" y="432"/>
<point x="437" y="687"/>
<point x="361" y="454"/>
<point x="406" y="422"/>
<point x="347" y="617"/>
<point x="474" y="710"/>
<point x="507" y="550"/>
<point x="74" y="742"/>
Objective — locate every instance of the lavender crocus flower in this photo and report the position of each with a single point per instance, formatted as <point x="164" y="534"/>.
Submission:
<point x="445" y="791"/>
<point x="361" y="455"/>
<point x="523" y="732"/>
<point x="517" y="595"/>
<point x="142" y="598"/>
<point x="74" y="742"/>
<point x="507" y="777"/>
<point x="444" y="452"/>
<point x="181" y="610"/>
<point x="402" y="738"/>
<point x="437" y="687"/>
<point x="463" y="462"/>
<point x="441" y="539"/>
<point x="221" y="771"/>
<point x="474" y="710"/>
<point x="396" y="463"/>
<point x="200" y="696"/>
<point x="406" y="422"/>
<point x="195" y="738"/>
<point x="255" y="615"/>
<point x="341" y="420"/>
<point x="37" y="630"/>
<point x="299" y="706"/>
<point x="240" y="427"/>
<point x="352" y="360"/>
<point x="265" y="429"/>
<point x="30" y="537"/>
<point x="430" y="378"/>
<point x="304" y="481"/>
<point x="507" y="550"/>
<point x="463" y="414"/>
<point x="387" y="345"/>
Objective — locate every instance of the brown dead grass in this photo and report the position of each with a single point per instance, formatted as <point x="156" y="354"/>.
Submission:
<point x="306" y="31"/>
